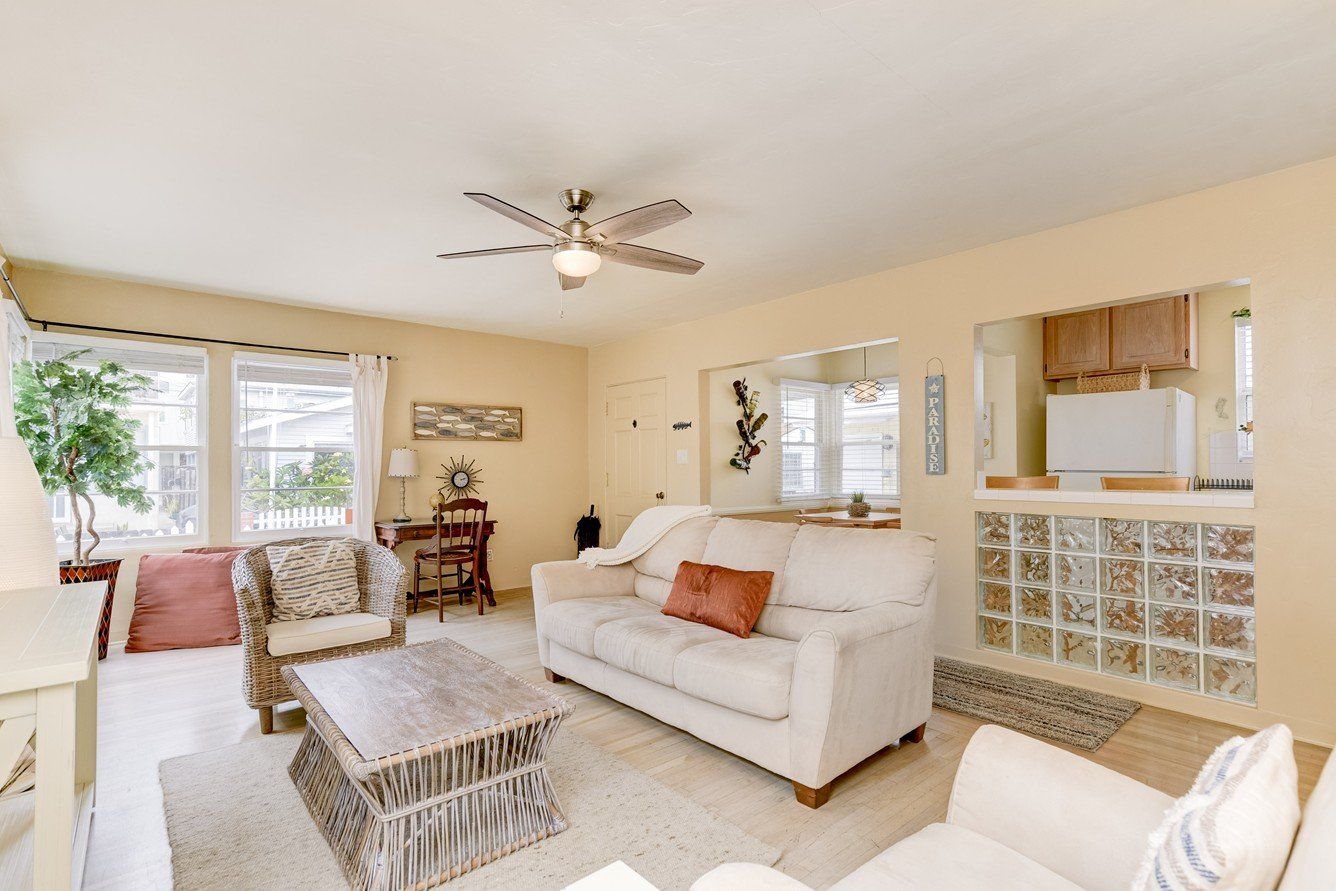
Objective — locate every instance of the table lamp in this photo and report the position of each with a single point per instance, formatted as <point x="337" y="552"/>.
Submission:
<point x="27" y="538"/>
<point x="403" y="464"/>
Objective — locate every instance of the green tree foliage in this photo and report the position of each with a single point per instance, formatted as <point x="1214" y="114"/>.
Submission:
<point x="81" y="438"/>
<point x="320" y="482"/>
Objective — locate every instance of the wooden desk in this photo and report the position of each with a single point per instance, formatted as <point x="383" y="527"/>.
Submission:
<point x="392" y="534"/>
<point x="48" y="687"/>
<point x="875" y="520"/>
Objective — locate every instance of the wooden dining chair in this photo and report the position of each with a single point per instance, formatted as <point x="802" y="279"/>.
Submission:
<point x="1020" y="482"/>
<point x="1145" y="483"/>
<point x="456" y="550"/>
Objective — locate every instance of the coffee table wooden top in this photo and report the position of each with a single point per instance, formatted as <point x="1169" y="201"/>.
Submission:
<point x="411" y="698"/>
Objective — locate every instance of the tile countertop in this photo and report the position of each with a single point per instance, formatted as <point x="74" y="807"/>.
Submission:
<point x="1231" y="498"/>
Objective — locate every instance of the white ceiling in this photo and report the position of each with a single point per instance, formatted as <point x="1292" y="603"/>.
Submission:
<point x="314" y="152"/>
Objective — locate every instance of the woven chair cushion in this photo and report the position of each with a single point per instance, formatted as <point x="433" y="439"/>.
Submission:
<point x="316" y="578"/>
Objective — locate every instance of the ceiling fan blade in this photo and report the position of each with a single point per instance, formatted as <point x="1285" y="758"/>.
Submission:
<point x="520" y="216"/>
<point x="489" y="252"/>
<point x="571" y="282"/>
<point x="649" y="258"/>
<point x="638" y="222"/>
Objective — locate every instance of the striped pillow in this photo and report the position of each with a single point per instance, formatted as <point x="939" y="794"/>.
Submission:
<point x="318" y="578"/>
<point x="1234" y="827"/>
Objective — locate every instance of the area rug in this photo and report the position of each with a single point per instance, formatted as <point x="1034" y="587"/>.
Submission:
<point x="1054" y="711"/>
<point x="235" y="820"/>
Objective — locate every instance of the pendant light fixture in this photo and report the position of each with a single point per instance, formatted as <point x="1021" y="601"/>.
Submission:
<point x="865" y="391"/>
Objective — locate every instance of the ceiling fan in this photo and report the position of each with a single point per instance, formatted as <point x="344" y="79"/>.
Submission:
<point x="578" y="248"/>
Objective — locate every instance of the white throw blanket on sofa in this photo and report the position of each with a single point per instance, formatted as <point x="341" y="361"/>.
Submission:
<point x="643" y="533"/>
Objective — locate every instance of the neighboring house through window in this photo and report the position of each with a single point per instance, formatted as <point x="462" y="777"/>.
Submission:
<point x="172" y="417"/>
<point x="831" y="446"/>
<point x="293" y="435"/>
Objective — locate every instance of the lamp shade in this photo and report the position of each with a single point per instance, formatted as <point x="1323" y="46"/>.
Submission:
<point x="404" y="462"/>
<point x="27" y="538"/>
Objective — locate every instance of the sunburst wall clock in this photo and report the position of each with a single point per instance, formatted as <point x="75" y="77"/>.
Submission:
<point x="462" y="477"/>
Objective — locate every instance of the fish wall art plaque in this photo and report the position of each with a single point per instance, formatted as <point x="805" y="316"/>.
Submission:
<point x="479" y="423"/>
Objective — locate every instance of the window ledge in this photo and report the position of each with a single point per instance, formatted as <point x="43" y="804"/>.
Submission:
<point x="1221" y="498"/>
<point x="146" y="545"/>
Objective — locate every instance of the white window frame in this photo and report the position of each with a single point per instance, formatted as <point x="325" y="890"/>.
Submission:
<point x="829" y="447"/>
<point x="238" y="534"/>
<point x="1244" y="369"/>
<point x="201" y="448"/>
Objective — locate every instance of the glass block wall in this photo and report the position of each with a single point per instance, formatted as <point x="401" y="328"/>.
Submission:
<point x="1161" y="602"/>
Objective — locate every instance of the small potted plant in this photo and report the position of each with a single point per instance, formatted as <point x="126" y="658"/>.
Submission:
<point x="82" y="441"/>
<point x="858" y="507"/>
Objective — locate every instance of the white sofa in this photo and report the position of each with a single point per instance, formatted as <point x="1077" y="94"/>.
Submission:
<point x="839" y="666"/>
<point x="1027" y="815"/>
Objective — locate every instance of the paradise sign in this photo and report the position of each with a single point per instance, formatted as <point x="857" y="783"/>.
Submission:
<point x="934" y="423"/>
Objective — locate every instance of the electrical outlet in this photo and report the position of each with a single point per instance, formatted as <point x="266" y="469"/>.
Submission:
<point x="489" y="553"/>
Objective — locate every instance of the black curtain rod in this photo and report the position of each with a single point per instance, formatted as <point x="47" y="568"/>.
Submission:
<point x="45" y="323"/>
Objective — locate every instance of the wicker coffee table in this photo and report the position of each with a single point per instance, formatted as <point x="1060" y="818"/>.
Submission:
<point x="422" y="763"/>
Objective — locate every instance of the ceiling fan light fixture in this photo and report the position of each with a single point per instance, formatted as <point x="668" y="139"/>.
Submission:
<point x="576" y="259"/>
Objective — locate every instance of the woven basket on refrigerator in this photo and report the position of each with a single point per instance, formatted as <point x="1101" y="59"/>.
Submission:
<point x="1114" y="383"/>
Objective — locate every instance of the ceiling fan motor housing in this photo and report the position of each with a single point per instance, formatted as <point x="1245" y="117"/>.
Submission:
<point x="576" y="201"/>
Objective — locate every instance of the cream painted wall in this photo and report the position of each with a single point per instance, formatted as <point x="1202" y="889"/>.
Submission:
<point x="535" y="488"/>
<point x="1277" y="230"/>
<point x="999" y="388"/>
<point x="1214" y="377"/>
<point x="1023" y="339"/>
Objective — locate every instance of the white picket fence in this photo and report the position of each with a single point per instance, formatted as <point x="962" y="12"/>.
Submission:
<point x="296" y="518"/>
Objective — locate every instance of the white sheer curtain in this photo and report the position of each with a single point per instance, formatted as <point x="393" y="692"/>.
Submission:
<point x="370" y="375"/>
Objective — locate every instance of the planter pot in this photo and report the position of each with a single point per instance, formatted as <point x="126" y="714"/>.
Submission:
<point x="96" y="571"/>
<point x="859" y="508"/>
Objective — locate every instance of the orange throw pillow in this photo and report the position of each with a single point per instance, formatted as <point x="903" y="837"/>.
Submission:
<point x="723" y="598"/>
<point x="184" y="600"/>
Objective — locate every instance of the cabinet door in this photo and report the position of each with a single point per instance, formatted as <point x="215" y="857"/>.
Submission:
<point x="1159" y="333"/>
<point x="1076" y="343"/>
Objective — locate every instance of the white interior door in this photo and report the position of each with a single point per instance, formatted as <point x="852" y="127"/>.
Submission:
<point x="635" y="452"/>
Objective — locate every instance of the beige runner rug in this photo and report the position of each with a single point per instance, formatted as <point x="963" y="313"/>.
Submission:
<point x="1059" y="712"/>
<point x="235" y="820"/>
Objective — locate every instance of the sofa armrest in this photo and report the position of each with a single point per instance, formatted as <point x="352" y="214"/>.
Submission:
<point x="567" y="579"/>
<point x="1083" y="821"/>
<point x="861" y="681"/>
<point x="746" y="877"/>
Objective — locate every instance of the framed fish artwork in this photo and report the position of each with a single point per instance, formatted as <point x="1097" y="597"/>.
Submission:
<point x="454" y="422"/>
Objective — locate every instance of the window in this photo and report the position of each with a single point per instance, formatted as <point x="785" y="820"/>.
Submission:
<point x="1243" y="383"/>
<point x="293" y="424"/>
<point x="172" y="414"/>
<point x="831" y="446"/>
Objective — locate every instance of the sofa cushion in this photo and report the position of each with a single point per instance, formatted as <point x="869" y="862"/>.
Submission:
<point x="649" y="645"/>
<point x="653" y="588"/>
<point x="184" y="600"/>
<point x="572" y="623"/>
<point x="685" y="541"/>
<point x="845" y="569"/>
<point x="750" y="545"/>
<point x="942" y="857"/>
<point x="323" y="632"/>
<point x="751" y="675"/>
<point x="1235" y="826"/>
<point x="723" y="598"/>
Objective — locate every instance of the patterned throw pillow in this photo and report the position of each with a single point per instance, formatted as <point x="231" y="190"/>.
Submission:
<point x="1234" y="827"/>
<point x="318" y="578"/>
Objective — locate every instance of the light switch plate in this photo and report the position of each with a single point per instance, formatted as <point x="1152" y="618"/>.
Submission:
<point x="681" y="456"/>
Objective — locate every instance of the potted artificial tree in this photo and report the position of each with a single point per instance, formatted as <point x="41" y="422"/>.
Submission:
<point x="82" y="442"/>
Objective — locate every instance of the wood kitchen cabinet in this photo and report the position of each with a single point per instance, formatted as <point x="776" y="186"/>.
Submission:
<point x="1076" y="343"/>
<point x="1160" y="333"/>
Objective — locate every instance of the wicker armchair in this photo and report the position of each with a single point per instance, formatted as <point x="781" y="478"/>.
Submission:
<point x="380" y="579"/>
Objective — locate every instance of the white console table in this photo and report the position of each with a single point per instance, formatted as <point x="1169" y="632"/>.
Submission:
<point x="48" y="686"/>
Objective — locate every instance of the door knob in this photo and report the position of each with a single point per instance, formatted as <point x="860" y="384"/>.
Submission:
<point x="658" y="495"/>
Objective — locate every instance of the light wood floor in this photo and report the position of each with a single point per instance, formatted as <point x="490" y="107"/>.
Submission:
<point x="161" y="705"/>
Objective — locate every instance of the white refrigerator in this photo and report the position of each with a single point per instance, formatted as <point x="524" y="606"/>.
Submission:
<point x="1133" y="433"/>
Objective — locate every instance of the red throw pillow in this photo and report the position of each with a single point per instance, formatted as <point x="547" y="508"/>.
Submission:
<point x="184" y="600"/>
<point x="723" y="598"/>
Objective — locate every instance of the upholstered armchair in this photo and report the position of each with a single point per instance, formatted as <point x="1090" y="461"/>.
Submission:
<point x="268" y="645"/>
